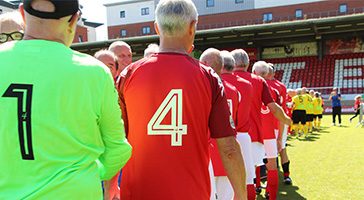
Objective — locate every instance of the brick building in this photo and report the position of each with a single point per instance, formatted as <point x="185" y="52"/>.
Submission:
<point x="130" y="18"/>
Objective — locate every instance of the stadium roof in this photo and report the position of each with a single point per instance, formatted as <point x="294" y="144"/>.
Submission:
<point x="92" y="24"/>
<point x="256" y="35"/>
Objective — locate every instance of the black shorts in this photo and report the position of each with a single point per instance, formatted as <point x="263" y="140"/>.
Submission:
<point x="309" y="117"/>
<point x="299" y="116"/>
<point x="317" y="116"/>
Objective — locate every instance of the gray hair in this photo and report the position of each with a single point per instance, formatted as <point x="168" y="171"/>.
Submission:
<point x="212" y="57"/>
<point x="119" y="44"/>
<point x="152" y="48"/>
<point x="229" y="61"/>
<point x="260" y="68"/>
<point x="174" y="16"/>
<point x="241" y="58"/>
<point x="299" y="91"/>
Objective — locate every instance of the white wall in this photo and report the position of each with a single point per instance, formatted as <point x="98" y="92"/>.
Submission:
<point x="132" y="13"/>
<point x="222" y="6"/>
<point x="91" y="34"/>
<point x="274" y="3"/>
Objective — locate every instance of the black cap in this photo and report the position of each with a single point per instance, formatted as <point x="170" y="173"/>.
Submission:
<point x="63" y="8"/>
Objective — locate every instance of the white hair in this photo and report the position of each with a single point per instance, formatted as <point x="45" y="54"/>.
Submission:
<point x="104" y="52"/>
<point x="241" y="58"/>
<point x="212" y="57"/>
<point x="299" y="91"/>
<point x="260" y="68"/>
<point x="229" y="61"/>
<point x="152" y="48"/>
<point x="174" y="16"/>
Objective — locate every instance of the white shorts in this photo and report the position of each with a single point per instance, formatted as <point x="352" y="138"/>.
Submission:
<point x="270" y="147"/>
<point x="284" y="136"/>
<point x="212" y="182"/>
<point x="246" y="149"/>
<point x="224" y="189"/>
<point x="258" y="153"/>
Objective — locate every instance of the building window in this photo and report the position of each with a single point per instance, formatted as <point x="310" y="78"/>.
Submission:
<point x="122" y="33"/>
<point x="343" y="8"/>
<point x="146" y="30"/>
<point x="299" y="14"/>
<point x="267" y="17"/>
<point x="145" y="11"/>
<point x="210" y="3"/>
<point x="80" y="38"/>
<point x="122" y="14"/>
<point x="239" y="1"/>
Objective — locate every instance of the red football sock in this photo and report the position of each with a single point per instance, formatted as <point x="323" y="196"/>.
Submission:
<point x="286" y="174"/>
<point x="272" y="185"/>
<point x="251" y="191"/>
<point x="257" y="179"/>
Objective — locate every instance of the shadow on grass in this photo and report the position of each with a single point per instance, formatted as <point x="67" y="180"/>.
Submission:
<point x="285" y="192"/>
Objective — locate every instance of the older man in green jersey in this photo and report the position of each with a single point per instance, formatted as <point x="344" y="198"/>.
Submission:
<point x="61" y="131"/>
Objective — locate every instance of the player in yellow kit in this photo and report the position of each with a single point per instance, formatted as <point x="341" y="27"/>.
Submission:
<point x="317" y="110"/>
<point x="309" y="110"/>
<point x="299" y="117"/>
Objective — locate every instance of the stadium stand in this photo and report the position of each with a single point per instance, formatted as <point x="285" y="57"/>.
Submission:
<point x="341" y="71"/>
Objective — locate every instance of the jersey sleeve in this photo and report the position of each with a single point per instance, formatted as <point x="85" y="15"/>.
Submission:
<point x="266" y="96"/>
<point x="117" y="149"/>
<point x="220" y="121"/>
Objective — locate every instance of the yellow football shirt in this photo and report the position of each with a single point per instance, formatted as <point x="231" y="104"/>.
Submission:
<point x="317" y="106"/>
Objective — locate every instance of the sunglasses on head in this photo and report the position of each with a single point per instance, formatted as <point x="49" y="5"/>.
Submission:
<point x="16" y="35"/>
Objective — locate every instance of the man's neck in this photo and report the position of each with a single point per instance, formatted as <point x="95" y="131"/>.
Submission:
<point x="173" y="45"/>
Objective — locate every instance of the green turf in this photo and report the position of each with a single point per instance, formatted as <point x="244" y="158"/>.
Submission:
<point x="327" y="165"/>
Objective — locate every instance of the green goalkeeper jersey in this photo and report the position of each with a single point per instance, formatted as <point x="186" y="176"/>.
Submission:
<point x="61" y="131"/>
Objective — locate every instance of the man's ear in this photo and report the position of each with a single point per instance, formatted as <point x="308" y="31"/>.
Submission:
<point x="21" y="11"/>
<point x="192" y="27"/>
<point x="156" y="28"/>
<point x="73" y="22"/>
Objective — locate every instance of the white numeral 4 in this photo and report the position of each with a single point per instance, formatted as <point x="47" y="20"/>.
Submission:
<point x="172" y="103"/>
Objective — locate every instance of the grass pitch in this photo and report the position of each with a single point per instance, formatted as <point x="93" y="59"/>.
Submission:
<point x="327" y="165"/>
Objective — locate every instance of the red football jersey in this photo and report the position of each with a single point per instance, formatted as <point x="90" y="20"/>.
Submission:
<point x="260" y="95"/>
<point x="282" y="89"/>
<point x="170" y="103"/>
<point x="276" y="92"/>
<point x="269" y="122"/>
<point x="233" y="97"/>
<point x="245" y="89"/>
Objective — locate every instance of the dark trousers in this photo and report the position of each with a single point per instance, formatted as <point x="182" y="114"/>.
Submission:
<point x="356" y="114"/>
<point x="336" y="111"/>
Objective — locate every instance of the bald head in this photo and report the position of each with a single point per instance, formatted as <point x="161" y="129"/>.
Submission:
<point x="241" y="59"/>
<point x="122" y="50"/>
<point x="11" y="22"/>
<point x="60" y="30"/>
<point x="151" y="49"/>
<point x="212" y="58"/>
